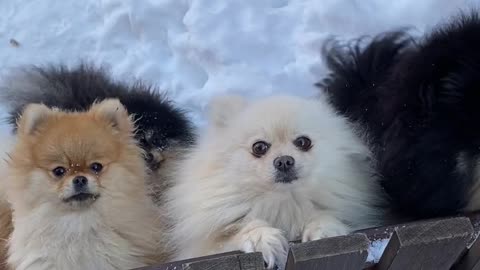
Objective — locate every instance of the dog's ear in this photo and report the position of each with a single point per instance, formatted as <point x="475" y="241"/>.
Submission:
<point x="113" y="112"/>
<point x="32" y="117"/>
<point x="223" y="108"/>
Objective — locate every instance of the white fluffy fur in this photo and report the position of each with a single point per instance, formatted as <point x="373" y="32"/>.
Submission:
<point x="106" y="236"/>
<point x="226" y="199"/>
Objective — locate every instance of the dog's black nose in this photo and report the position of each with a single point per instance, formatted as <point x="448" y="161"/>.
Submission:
<point x="79" y="182"/>
<point x="284" y="163"/>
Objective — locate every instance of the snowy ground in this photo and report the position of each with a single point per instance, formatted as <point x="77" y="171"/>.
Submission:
<point x="198" y="48"/>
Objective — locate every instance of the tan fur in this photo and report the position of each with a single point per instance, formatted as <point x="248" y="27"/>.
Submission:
<point x="119" y="230"/>
<point x="5" y="231"/>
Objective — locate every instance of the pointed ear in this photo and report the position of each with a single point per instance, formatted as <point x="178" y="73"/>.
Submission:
<point x="222" y="109"/>
<point x="32" y="117"/>
<point x="115" y="113"/>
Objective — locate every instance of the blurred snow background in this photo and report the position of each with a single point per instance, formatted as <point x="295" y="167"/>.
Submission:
<point x="195" y="49"/>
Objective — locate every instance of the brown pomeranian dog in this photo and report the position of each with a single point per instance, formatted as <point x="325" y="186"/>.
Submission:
<point x="75" y="182"/>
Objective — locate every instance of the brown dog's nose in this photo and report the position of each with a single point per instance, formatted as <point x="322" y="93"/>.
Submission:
<point x="79" y="182"/>
<point x="284" y="163"/>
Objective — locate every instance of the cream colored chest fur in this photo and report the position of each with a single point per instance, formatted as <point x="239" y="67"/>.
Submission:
<point x="75" y="241"/>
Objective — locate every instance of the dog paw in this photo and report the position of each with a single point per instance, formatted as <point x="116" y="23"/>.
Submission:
<point x="270" y="242"/>
<point x="324" y="228"/>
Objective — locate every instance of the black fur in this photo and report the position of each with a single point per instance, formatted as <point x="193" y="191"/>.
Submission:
<point x="420" y="103"/>
<point x="159" y="124"/>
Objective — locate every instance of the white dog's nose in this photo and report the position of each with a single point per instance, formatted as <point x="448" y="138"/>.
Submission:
<point x="284" y="163"/>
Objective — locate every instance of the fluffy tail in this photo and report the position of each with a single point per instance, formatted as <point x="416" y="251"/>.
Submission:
<point x="356" y="71"/>
<point x="55" y="86"/>
<point x="77" y="88"/>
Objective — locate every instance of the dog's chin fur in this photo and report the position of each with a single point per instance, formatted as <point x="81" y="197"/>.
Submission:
<point x="120" y="229"/>
<point x="227" y="199"/>
<point x="419" y="102"/>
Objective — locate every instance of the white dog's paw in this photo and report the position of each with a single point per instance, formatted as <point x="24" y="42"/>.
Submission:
<point x="270" y="241"/>
<point x="323" y="228"/>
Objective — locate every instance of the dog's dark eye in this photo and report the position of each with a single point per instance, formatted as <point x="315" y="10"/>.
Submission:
<point x="156" y="141"/>
<point x="260" y="148"/>
<point x="96" y="167"/>
<point x="143" y="141"/>
<point x="59" y="171"/>
<point x="303" y="143"/>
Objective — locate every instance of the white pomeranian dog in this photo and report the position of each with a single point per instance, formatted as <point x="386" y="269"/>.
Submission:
<point x="268" y="172"/>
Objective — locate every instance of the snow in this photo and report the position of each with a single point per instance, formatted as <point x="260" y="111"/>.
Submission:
<point x="376" y="248"/>
<point x="195" y="49"/>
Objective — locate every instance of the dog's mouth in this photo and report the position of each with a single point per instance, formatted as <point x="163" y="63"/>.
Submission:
<point x="285" y="178"/>
<point x="82" y="197"/>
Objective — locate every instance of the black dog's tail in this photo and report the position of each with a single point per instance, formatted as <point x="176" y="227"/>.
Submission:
<point x="356" y="71"/>
<point x="57" y="86"/>
<point x="76" y="89"/>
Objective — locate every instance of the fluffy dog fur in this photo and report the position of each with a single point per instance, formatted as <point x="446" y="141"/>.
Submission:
<point x="6" y="225"/>
<point x="225" y="198"/>
<point x="5" y="231"/>
<point x="420" y="103"/>
<point x="164" y="131"/>
<point x="110" y="223"/>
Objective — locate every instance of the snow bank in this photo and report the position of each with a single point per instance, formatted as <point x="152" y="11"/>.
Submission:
<point x="198" y="48"/>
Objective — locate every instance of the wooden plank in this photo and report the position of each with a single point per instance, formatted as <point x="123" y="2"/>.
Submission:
<point x="178" y="265"/>
<point x="372" y="234"/>
<point x="433" y="245"/>
<point x="471" y="261"/>
<point x="339" y="253"/>
<point x="250" y="261"/>
<point x="221" y="263"/>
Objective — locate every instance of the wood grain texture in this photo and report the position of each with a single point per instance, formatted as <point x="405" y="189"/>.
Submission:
<point x="235" y="260"/>
<point x="432" y="245"/>
<point x="249" y="261"/>
<point x="339" y="253"/>
<point x="178" y="265"/>
<point x="226" y="262"/>
<point x="471" y="261"/>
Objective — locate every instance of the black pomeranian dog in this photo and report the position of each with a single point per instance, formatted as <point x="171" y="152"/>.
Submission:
<point x="419" y="102"/>
<point x="163" y="130"/>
